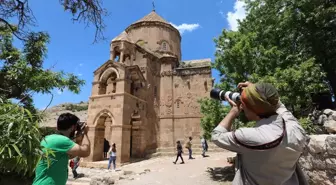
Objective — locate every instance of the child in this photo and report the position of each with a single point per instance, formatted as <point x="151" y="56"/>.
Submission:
<point x="74" y="163"/>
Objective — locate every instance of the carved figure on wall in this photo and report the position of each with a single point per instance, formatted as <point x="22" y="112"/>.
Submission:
<point x="178" y="102"/>
<point x="169" y="101"/>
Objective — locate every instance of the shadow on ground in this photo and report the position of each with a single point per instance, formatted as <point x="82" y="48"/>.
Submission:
<point x="222" y="174"/>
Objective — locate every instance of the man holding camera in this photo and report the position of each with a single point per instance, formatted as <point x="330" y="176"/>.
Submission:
<point x="55" y="171"/>
<point x="269" y="152"/>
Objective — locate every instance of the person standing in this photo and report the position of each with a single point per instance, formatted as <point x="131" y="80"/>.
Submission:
<point x="188" y="146"/>
<point x="179" y="152"/>
<point x="204" y="146"/>
<point x="106" y="148"/>
<point x="269" y="152"/>
<point x="113" y="156"/>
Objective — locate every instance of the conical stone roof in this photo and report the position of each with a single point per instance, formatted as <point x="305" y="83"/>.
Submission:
<point x="122" y="37"/>
<point x="152" y="17"/>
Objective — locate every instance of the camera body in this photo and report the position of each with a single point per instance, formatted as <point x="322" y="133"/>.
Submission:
<point x="219" y="94"/>
<point x="80" y="127"/>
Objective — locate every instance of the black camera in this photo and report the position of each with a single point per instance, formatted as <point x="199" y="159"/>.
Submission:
<point x="80" y="127"/>
<point x="219" y="94"/>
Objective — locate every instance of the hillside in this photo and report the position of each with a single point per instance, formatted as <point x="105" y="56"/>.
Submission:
<point x="52" y="113"/>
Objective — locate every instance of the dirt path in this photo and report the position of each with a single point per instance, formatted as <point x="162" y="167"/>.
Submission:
<point x="200" y="171"/>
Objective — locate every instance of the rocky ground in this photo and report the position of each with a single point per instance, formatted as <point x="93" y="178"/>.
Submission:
<point x="212" y="170"/>
<point x="51" y="114"/>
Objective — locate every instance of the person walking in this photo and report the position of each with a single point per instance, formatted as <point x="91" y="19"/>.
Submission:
<point x="113" y="156"/>
<point x="188" y="146"/>
<point x="179" y="152"/>
<point x="204" y="146"/>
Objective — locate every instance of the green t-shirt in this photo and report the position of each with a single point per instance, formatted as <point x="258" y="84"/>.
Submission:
<point x="57" y="172"/>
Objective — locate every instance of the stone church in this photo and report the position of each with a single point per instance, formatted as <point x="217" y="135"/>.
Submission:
<point x="144" y="98"/>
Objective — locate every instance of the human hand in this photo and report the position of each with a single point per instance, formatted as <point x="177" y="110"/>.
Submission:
<point x="244" y="84"/>
<point x="235" y="107"/>
<point x="86" y="129"/>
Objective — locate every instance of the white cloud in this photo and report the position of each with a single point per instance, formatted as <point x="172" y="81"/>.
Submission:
<point x="81" y="64"/>
<point x="59" y="92"/>
<point x="79" y="74"/>
<point x="186" y="27"/>
<point x="238" y="14"/>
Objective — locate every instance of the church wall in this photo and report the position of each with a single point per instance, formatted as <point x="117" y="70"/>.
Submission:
<point x="187" y="91"/>
<point x="166" y="134"/>
<point x="185" y="122"/>
<point x="153" y="35"/>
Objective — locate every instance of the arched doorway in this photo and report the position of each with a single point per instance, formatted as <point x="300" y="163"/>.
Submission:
<point x="103" y="133"/>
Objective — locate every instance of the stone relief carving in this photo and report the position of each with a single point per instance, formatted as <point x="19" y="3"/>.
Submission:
<point x="185" y="72"/>
<point x="143" y="69"/>
<point x="99" y="106"/>
<point x="178" y="102"/>
<point x="169" y="101"/>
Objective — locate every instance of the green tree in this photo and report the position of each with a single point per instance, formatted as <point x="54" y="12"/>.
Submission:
<point x="21" y="75"/>
<point x="277" y="43"/>
<point x="22" y="72"/>
<point x="19" y="141"/>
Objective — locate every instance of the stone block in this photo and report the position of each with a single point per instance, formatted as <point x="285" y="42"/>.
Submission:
<point x="322" y="119"/>
<point x="305" y="162"/>
<point x="331" y="145"/>
<point x="333" y="116"/>
<point x="330" y="126"/>
<point x="317" y="144"/>
<point x="319" y="163"/>
<point x="331" y="163"/>
<point x="319" y="178"/>
<point x="328" y="112"/>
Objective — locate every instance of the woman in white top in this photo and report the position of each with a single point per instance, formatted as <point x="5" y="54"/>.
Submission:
<point x="113" y="156"/>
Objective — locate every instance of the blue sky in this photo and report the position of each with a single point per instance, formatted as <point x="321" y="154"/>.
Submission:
<point x="71" y="48"/>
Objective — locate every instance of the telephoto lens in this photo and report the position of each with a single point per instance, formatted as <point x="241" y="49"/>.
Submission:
<point x="219" y="94"/>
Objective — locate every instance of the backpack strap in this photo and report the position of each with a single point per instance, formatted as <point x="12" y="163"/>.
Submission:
<point x="265" y="146"/>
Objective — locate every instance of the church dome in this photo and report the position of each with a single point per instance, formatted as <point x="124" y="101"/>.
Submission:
<point x="157" y="34"/>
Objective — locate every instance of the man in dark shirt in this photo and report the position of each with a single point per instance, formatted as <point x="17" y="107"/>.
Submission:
<point x="179" y="152"/>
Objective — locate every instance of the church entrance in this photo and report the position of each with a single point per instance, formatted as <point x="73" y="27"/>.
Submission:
<point x="103" y="136"/>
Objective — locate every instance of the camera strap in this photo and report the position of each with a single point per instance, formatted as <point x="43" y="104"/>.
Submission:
<point x="265" y="146"/>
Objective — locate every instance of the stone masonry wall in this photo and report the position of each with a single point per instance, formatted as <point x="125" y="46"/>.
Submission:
<point x="319" y="160"/>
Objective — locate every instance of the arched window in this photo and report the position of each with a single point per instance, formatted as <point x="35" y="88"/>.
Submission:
<point x="108" y="82"/>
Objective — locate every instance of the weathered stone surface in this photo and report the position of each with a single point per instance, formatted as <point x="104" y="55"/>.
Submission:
<point x="319" y="178"/>
<point x="330" y="126"/>
<point x="331" y="163"/>
<point x="305" y="162"/>
<point x="331" y="145"/>
<point x="333" y="116"/>
<point x="328" y="112"/>
<point x="317" y="144"/>
<point x="322" y="119"/>
<point x="319" y="161"/>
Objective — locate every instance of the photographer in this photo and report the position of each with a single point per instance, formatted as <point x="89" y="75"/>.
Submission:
<point x="269" y="152"/>
<point x="62" y="146"/>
